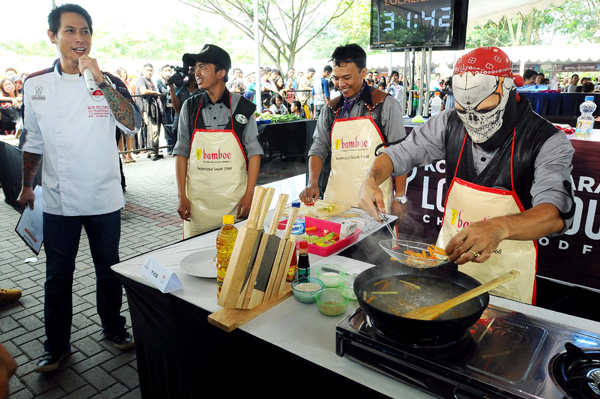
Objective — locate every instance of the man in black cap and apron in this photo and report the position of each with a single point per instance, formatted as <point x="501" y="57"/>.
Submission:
<point x="350" y="128"/>
<point x="218" y="153"/>
<point x="507" y="172"/>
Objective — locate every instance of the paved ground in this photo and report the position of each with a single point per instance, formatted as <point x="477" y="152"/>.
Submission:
<point x="95" y="369"/>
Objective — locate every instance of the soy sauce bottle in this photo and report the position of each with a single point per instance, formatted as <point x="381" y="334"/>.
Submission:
<point x="303" y="262"/>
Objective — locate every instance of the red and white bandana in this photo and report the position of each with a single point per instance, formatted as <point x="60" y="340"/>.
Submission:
<point x="485" y="60"/>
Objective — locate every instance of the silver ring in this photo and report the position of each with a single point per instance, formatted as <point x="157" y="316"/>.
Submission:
<point x="475" y="254"/>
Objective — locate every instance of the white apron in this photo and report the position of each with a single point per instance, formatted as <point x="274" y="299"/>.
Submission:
<point x="467" y="203"/>
<point x="216" y="177"/>
<point x="353" y="141"/>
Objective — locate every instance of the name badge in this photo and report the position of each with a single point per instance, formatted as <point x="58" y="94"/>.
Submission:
<point x="162" y="277"/>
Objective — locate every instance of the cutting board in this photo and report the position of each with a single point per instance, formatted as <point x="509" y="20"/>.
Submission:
<point x="314" y="212"/>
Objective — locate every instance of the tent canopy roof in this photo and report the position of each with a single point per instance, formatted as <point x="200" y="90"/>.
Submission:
<point x="482" y="11"/>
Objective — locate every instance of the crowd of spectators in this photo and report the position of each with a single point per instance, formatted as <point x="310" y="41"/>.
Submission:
<point x="566" y="84"/>
<point x="298" y="92"/>
<point x="11" y="99"/>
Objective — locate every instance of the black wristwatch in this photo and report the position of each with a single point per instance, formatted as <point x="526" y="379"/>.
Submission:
<point x="403" y="199"/>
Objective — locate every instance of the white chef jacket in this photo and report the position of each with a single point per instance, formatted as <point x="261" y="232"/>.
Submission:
<point x="75" y="131"/>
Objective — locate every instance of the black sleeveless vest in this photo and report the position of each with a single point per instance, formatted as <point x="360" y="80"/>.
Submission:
<point x="244" y="107"/>
<point x="532" y="131"/>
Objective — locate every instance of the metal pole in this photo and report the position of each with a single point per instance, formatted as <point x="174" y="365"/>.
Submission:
<point x="257" y="95"/>
<point x="405" y="72"/>
<point x="427" y="75"/>
<point x="391" y="64"/>
<point x="421" y="88"/>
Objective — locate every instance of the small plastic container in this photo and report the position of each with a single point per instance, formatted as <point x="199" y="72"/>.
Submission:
<point x="306" y="296"/>
<point x="347" y="284"/>
<point x="330" y="274"/>
<point x="332" y="301"/>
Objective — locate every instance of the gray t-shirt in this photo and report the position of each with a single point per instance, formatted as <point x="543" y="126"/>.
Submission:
<point x="391" y="124"/>
<point x="426" y="144"/>
<point x="216" y="116"/>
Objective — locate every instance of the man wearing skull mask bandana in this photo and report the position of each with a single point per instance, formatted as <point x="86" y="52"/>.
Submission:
<point x="507" y="169"/>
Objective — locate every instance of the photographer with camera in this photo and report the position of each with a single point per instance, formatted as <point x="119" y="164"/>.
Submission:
<point x="180" y="90"/>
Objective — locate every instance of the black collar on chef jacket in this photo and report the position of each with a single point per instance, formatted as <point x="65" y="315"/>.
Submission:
<point x="365" y="96"/>
<point x="224" y="99"/>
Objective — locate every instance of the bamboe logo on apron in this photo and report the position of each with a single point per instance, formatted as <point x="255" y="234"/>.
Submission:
<point x="215" y="157"/>
<point x="457" y="217"/>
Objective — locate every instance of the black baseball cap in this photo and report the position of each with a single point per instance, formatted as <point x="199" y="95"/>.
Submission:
<point x="210" y="54"/>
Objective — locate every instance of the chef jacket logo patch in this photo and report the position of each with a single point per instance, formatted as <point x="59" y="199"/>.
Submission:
<point x="337" y="144"/>
<point x="97" y="95"/>
<point x="198" y="153"/>
<point x="38" y="94"/>
<point x="241" y="119"/>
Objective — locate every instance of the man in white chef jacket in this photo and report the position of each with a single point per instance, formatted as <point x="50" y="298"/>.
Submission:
<point x="72" y="128"/>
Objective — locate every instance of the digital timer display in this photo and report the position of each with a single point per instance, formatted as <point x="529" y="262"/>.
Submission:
<point x="418" y="23"/>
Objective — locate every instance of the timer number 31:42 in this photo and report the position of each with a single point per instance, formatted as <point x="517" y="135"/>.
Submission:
<point x="413" y="17"/>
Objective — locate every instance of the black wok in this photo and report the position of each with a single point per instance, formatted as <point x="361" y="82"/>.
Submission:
<point x="420" y="331"/>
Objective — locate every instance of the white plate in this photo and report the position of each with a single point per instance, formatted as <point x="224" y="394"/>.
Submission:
<point x="200" y="264"/>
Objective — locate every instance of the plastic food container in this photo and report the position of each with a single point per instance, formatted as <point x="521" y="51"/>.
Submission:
<point x="347" y="284"/>
<point x="330" y="274"/>
<point x="322" y="225"/>
<point x="300" y="285"/>
<point x="332" y="301"/>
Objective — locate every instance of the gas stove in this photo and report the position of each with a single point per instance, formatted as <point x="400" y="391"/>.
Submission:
<point x="504" y="355"/>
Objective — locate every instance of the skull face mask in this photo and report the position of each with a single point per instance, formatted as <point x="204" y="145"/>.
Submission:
<point x="480" y="102"/>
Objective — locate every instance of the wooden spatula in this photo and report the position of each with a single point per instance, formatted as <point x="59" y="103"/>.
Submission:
<point x="434" y="311"/>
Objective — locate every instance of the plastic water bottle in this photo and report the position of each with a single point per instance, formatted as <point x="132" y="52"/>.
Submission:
<point x="300" y="223"/>
<point x="225" y="242"/>
<point x="436" y="104"/>
<point x="585" y="122"/>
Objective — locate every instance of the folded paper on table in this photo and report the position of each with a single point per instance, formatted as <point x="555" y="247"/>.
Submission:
<point x="162" y="277"/>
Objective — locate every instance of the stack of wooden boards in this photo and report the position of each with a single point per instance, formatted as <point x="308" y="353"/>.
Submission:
<point x="256" y="275"/>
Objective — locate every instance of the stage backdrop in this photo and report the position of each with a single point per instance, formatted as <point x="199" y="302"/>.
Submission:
<point x="573" y="257"/>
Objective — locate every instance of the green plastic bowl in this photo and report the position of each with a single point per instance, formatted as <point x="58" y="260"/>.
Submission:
<point x="306" y="296"/>
<point x="332" y="301"/>
<point x="330" y="274"/>
<point x="347" y="284"/>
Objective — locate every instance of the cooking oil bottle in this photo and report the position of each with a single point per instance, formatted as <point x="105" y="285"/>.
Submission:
<point x="225" y="241"/>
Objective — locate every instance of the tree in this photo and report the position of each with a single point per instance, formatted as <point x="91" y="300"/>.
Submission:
<point x="286" y="27"/>
<point x="522" y="30"/>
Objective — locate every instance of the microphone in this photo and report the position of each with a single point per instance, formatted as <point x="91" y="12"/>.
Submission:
<point x="89" y="80"/>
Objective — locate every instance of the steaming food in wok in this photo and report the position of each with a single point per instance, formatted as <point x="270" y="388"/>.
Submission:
<point x="401" y="294"/>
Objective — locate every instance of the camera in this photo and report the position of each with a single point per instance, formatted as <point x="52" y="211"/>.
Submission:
<point x="179" y="74"/>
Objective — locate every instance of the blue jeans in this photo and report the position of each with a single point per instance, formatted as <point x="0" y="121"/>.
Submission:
<point x="61" y="242"/>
